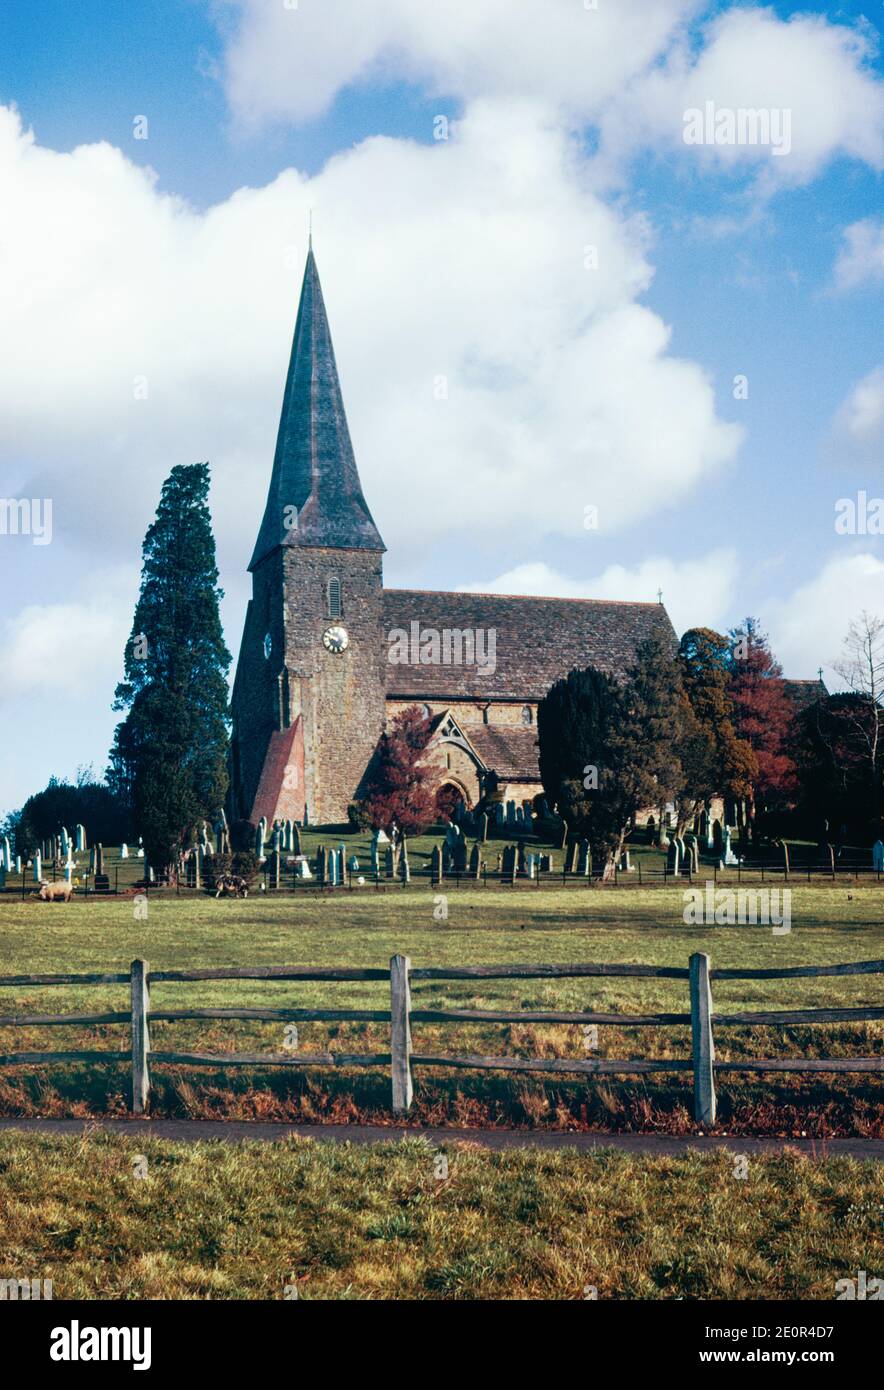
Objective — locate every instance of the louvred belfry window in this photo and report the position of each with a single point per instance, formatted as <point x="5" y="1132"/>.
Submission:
<point x="334" y="598"/>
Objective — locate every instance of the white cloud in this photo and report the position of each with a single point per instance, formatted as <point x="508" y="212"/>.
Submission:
<point x="749" y="59"/>
<point x="463" y="261"/>
<point x="861" y="258"/>
<point x="696" y="593"/>
<point x="807" y="628"/>
<point x="289" y="63"/>
<point x="631" y="67"/>
<point x="857" y="435"/>
<point x="71" y="648"/>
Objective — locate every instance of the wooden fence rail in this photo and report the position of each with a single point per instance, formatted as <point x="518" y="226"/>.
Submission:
<point x="402" y="1059"/>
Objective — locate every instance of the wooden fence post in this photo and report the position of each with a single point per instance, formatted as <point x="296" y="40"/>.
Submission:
<point x="140" y="1037"/>
<point x="701" y="1038"/>
<point x="400" y="1034"/>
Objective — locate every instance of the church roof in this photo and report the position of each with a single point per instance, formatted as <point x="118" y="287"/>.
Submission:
<point x="314" y="469"/>
<point x="537" y="641"/>
<point x="508" y="750"/>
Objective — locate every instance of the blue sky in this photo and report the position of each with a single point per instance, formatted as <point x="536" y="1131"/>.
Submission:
<point x="123" y="255"/>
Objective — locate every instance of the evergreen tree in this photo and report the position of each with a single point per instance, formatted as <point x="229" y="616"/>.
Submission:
<point x="705" y="660"/>
<point x="169" y="753"/>
<point x="582" y="763"/>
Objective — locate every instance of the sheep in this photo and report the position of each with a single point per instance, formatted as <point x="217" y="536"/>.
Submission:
<point x="55" y="892"/>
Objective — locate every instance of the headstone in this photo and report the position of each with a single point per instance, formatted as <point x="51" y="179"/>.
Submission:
<point x="259" y="842"/>
<point x="389" y="861"/>
<point x="499" y="813"/>
<point x="573" y="855"/>
<point x="584" y="860"/>
<point x="483" y="827"/>
<point x="475" y="862"/>
<point x="404" y="869"/>
<point x="353" y="864"/>
<point x="452" y="835"/>
<point x="878" y="856"/>
<point x="38" y="866"/>
<point x="530" y="865"/>
<point x="459" y="855"/>
<point x="625" y="866"/>
<point x="547" y="863"/>
<point x="81" y="838"/>
<point x="520" y="857"/>
<point x="510" y="813"/>
<point x="729" y="859"/>
<point x="18" y="863"/>
<point x="302" y="867"/>
<point x="333" y="868"/>
<point x="296" y="839"/>
<point x="6" y="854"/>
<point x="321" y="865"/>
<point x="375" y="866"/>
<point x="288" y="836"/>
<point x="673" y="857"/>
<point x="124" y="851"/>
<point x="436" y="863"/>
<point x="65" y="843"/>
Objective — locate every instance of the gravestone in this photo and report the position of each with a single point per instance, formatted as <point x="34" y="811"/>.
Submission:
<point x="878" y="856"/>
<point x="124" y="851"/>
<point x="530" y="865"/>
<point x="520" y="857"/>
<point x="321" y="865"/>
<point x="475" y="862"/>
<point x="584" y="860"/>
<point x="296" y="839"/>
<point x="404" y="867"/>
<point x="673" y="858"/>
<point x="573" y="855"/>
<point x="459" y="855"/>
<point x="81" y="838"/>
<point x="729" y="859"/>
<point x="625" y="866"/>
<point x="483" y="828"/>
<point x="302" y="867"/>
<point x="38" y="866"/>
<point x="436" y="863"/>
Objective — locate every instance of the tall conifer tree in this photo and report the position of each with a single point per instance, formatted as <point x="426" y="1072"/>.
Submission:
<point x="169" y="752"/>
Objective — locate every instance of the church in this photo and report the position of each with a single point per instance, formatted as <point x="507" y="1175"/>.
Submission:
<point x="329" y="656"/>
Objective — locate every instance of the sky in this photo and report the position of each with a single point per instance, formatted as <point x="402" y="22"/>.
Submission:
<point x="552" y="305"/>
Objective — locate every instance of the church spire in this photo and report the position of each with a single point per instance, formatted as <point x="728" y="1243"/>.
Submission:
<point x="315" y="497"/>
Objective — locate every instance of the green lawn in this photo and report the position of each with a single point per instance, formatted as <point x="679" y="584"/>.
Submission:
<point x="344" y="1222"/>
<point x="829" y="925"/>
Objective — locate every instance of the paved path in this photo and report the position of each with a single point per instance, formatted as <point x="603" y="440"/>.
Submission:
<point x="191" y="1131"/>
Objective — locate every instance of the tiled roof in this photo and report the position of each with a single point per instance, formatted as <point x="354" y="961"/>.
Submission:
<point x="536" y="641"/>
<point x="314" y="469"/>
<point x="804" y="693"/>
<point x="509" y="751"/>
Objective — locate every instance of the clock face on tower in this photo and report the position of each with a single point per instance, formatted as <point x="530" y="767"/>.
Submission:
<point x="335" y="639"/>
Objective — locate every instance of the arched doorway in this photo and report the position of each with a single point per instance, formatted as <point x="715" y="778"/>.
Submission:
<point x="451" y="800"/>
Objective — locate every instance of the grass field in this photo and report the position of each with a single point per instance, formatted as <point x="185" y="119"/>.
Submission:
<point x="329" y="1221"/>
<point x="829" y="924"/>
<point x="340" y="1222"/>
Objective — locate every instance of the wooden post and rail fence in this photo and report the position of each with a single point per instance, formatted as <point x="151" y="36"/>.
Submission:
<point x="401" y="1014"/>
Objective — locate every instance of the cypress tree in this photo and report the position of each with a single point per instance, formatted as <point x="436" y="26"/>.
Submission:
<point x="170" y="751"/>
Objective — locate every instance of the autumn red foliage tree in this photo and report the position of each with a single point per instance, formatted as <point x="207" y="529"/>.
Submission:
<point x="763" y="716"/>
<point x="400" y="787"/>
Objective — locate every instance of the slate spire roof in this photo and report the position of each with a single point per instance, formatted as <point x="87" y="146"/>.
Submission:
<point x="314" y="469"/>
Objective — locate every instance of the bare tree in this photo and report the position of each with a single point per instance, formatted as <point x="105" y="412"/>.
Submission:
<point x="862" y="669"/>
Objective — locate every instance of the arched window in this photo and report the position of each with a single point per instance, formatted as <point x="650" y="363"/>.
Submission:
<point x="527" y="715"/>
<point x="334" y="598"/>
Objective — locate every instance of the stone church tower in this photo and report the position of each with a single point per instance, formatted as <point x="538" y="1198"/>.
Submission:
<point x="308" y="698"/>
